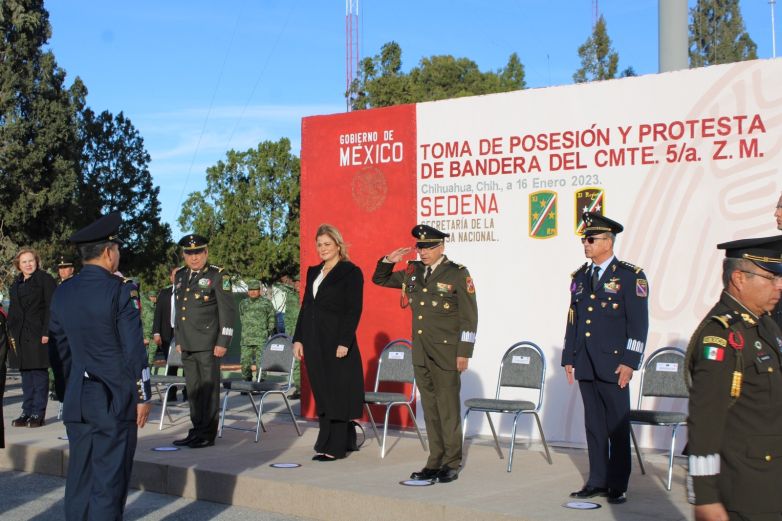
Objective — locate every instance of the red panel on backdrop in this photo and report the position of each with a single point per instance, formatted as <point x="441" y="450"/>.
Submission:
<point x="358" y="173"/>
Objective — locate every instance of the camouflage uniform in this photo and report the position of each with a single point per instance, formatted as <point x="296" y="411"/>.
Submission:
<point x="257" y="317"/>
<point x="147" y="317"/>
<point x="292" y="308"/>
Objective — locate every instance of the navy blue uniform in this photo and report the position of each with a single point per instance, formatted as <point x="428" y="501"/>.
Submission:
<point x="96" y="324"/>
<point x="605" y="328"/>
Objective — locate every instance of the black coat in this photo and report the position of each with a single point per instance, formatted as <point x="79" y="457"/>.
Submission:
<point x="325" y="322"/>
<point x="3" y="354"/>
<point x="161" y="325"/>
<point x="28" y="320"/>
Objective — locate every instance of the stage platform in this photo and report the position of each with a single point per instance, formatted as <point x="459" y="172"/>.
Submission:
<point x="361" y="487"/>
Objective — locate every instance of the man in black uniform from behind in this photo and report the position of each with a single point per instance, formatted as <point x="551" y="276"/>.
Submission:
<point x="205" y="316"/>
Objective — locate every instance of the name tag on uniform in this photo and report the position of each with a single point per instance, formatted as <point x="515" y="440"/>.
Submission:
<point x="277" y="347"/>
<point x="520" y="360"/>
<point x="396" y="355"/>
<point x="667" y="367"/>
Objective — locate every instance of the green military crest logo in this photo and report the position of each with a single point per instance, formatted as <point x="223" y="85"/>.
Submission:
<point x="588" y="200"/>
<point x="543" y="214"/>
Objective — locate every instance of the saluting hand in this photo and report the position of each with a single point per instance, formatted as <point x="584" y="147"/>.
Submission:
<point x="396" y="255"/>
<point x="142" y="414"/>
<point x="625" y="375"/>
<point x="298" y="350"/>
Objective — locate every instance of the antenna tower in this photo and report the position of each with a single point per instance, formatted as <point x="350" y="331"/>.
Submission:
<point x="351" y="46"/>
<point x="595" y="13"/>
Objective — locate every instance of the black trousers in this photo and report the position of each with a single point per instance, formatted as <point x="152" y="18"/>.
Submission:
<point x="35" y="391"/>
<point x="101" y="459"/>
<point x="607" y="421"/>
<point x="202" y="379"/>
<point x="335" y="437"/>
<point x="765" y="516"/>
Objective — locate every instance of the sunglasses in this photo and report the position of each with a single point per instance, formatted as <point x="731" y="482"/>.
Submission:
<point x="591" y="240"/>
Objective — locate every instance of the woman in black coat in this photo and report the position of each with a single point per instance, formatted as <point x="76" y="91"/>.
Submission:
<point x="326" y="338"/>
<point x="28" y="326"/>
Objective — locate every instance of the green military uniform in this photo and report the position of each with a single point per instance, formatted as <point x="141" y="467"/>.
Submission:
<point x="147" y="318"/>
<point x="292" y="308"/>
<point x="205" y="316"/>
<point x="445" y="320"/>
<point x="735" y="408"/>
<point x="257" y="317"/>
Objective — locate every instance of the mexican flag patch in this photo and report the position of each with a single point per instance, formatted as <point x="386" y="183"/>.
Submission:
<point x="713" y="353"/>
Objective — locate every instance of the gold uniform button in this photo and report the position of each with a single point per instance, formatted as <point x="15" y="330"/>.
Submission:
<point x="588" y="334"/>
<point x="184" y="318"/>
<point x="770" y="369"/>
<point x="588" y="321"/>
<point x="420" y="331"/>
<point x="589" y="308"/>
<point x="445" y="341"/>
<point x="616" y="352"/>
<point x="422" y="302"/>
<point x="420" y="317"/>
<point x="592" y="296"/>
<point x="183" y="308"/>
<point x="768" y="457"/>
<point x="426" y="290"/>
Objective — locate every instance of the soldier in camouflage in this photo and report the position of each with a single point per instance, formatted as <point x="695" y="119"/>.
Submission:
<point x="292" y="308"/>
<point x="147" y="318"/>
<point x="257" y="317"/>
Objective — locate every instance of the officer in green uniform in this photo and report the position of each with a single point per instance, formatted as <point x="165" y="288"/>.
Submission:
<point x="441" y="295"/>
<point x="735" y="377"/>
<point x="147" y="318"/>
<point x="205" y="316"/>
<point x="257" y="317"/>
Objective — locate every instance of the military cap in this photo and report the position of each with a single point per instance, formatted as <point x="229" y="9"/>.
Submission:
<point x="193" y="243"/>
<point x="764" y="252"/>
<point x="151" y="294"/>
<point x="428" y="237"/>
<point x="595" y="224"/>
<point x="102" y="230"/>
<point x="64" y="262"/>
<point x="253" y="284"/>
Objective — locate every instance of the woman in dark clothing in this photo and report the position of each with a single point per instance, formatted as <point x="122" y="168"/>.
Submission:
<point x="326" y="338"/>
<point x="28" y="326"/>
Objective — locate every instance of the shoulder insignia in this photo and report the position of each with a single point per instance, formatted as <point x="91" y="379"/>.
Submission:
<point x="218" y="268"/>
<point x="414" y="262"/>
<point x="726" y="320"/>
<point x="582" y="267"/>
<point x="180" y="269"/>
<point x="630" y="267"/>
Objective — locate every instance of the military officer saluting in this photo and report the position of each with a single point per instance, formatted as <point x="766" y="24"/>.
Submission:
<point x="205" y="316"/>
<point x="735" y="373"/>
<point x="608" y="320"/>
<point x="258" y="318"/>
<point x="96" y="327"/>
<point x="441" y="295"/>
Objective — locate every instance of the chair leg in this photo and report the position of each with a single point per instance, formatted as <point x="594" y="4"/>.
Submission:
<point x="543" y="438"/>
<point x="59" y="412"/>
<point x="372" y="421"/>
<point x="415" y="424"/>
<point x="259" y="424"/>
<point x="513" y="440"/>
<point x="670" y="458"/>
<point x="222" y="414"/>
<point x="293" y="418"/>
<point x="494" y="433"/>
<point x="385" y="432"/>
<point x="165" y="411"/>
<point x="637" y="450"/>
<point x="464" y="425"/>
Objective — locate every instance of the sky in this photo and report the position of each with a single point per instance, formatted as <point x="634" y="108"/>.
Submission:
<point x="198" y="78"/>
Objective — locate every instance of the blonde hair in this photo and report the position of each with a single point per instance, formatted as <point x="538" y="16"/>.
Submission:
<point x="24" y="250"/>
<point x="331" y="231"/>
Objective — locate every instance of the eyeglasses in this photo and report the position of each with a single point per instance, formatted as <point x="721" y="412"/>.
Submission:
<point x="773" y="278"/>
<point x="591" y="240"/>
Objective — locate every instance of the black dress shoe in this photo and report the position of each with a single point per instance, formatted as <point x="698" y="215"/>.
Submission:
<point x="424" y="474"/>
<point x="324" y="457"/>
<point x="21" y="421"/>
<point x="184" y="441"/>
<point x="616" y="497"/>
<point x="447" y="474"/>
<point x="200" y="443"/>
<point x="588" y="491"/>
<point x="36" y="421"/>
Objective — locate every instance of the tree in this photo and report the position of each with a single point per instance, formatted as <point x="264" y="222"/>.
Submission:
<point x="382" y="83"/>
<point x="38" y="142"/>
<point x="115" y="177"/>
<point x="250" y="211"/>
<point x="718" y="34"/>
<point x="599" y="61"/>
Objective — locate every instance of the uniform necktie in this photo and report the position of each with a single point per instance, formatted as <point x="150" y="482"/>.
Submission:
<point x="426" y="275"/>
<point x="595" y="277"/>
<point x="192" y="276"/>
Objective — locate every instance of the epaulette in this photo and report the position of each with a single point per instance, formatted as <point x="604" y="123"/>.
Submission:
<point x="180" y="269"/>
<point x="583" y="266"/>
<point x="218" y="268"/>
<point x="414" y="262"/>
<point x="630" y="267"/>
<point x="726" y="320"/>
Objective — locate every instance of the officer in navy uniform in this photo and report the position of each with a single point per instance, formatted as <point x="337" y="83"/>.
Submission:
<point x="605" y="336"/>
<point x="96" y="326"/>
<point x="735" y="375"/>
<point x="205" y="317"/>
<point x="441" y="295"/>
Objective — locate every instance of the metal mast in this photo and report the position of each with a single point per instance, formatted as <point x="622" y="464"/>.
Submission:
<point x="351" y="47"/>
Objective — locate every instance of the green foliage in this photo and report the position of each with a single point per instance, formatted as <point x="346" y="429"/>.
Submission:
<point x="599" y="61"/>
<point x="115" y="177"/>
<point x="718" y="34"/>
<point x="250" y="211"/>
<point x="382" y="83"/>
